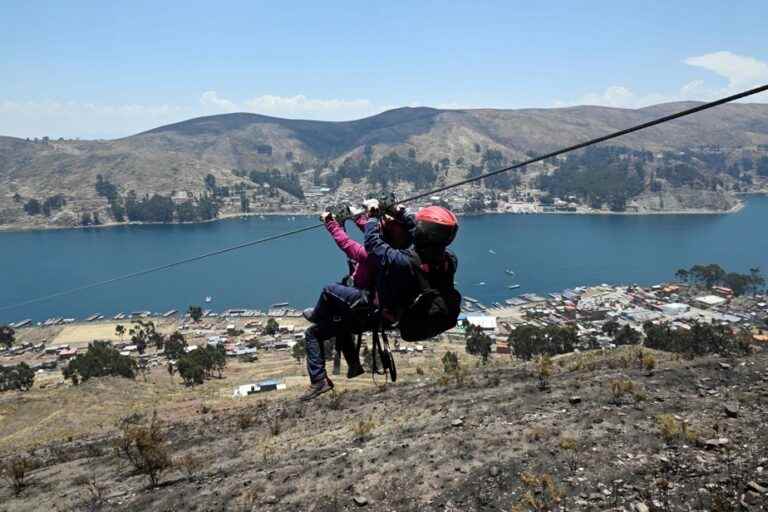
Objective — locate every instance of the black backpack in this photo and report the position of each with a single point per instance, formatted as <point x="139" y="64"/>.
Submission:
<point x="437" y="306"/>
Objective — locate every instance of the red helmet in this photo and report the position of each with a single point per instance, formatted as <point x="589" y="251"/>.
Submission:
<point x="435" y="226"/>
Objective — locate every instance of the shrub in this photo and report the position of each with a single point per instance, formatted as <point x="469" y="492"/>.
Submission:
<point x="144" y="446"/>
<point x="190" y="465"/>
<point x="245" y="421"/>
<point x="541" y="493"/>
<point x="16" y="470"/>
<point x="621" y="387"/>
<point x="450" y="362"/>
<point x="671" y="429"/>
<point x="100" y="360"/>
<point x="363" y="428"/>
<point x="543" y="371"/>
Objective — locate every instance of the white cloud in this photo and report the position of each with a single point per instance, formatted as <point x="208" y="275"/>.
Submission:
<point x="211" y="100"/>
<point x="88" y="120"/>
<point x="742" y="72"/>
<point x="302" y="107"/>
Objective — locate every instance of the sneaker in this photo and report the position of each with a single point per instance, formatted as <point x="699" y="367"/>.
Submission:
<point x="317" y="389"/>
<point x="355" y="370"/>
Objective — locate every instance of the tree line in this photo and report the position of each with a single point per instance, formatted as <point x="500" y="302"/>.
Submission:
<point x="155" y="208"/>
<point x="714" y="275"/>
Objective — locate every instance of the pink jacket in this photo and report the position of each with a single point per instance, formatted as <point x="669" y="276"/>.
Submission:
<point x="362" y="275"/>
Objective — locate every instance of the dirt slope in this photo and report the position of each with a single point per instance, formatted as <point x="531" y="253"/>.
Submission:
<point x="440" y="446"/>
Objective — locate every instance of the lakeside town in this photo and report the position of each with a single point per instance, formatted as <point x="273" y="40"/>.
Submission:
<point x="596" y="313"/>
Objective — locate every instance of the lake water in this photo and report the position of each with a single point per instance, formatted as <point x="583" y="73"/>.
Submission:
<point x="547" y="253"/>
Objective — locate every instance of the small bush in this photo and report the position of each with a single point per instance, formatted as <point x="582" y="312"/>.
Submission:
<point x="541" y="494"/>
<point x="275" y="426"/>
<point x="245" y="421"/>
<point x="450" y="362"/>
<point x="190" y="465"/>
<point x="543" y="371"/>
<point x="336" y="402"/>
<point x="672" y="429"/>
<point x="16" y="470"/>
<point x="648" y="361"/>
<point x="144" y="446"/>
<point x="363" y="428"/>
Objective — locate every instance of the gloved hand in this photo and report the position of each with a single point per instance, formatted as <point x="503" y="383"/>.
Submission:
<point x="356" y="211"/>
<point x="371" y="207"/>
<point x="326" y="216"/>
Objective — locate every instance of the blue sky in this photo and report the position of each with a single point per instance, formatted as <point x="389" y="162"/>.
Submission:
<point x="90" y="69"/>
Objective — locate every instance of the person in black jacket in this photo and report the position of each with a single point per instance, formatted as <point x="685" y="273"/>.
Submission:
<point x="396" y="284"/>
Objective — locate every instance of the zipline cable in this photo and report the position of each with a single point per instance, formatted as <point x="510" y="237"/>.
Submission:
<point x="626" y="131"/>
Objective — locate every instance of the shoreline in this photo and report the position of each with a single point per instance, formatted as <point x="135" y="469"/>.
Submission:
<point x="233" y="216"/>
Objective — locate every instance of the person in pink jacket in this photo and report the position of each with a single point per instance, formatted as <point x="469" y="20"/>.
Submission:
<point x="361" y="267"/>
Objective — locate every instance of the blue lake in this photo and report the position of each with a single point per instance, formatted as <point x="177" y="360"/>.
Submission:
<point x="547" y="253"/>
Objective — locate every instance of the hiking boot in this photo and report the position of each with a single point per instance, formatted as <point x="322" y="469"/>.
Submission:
<point x="355" y="370"/>
<point x="308" y="314"/>
<point x="317" y="389"/>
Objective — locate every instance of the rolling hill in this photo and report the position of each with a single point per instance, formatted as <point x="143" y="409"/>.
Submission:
<point x="178" y="156"/>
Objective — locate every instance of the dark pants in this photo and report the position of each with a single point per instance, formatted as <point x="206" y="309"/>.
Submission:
<point x="340" y="310"/>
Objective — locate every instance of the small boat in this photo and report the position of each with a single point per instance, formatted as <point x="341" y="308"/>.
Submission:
<point x="470" y="299"/>
<point x="208" y="298"/>
<point x="509" y="272"/>
<point x="491" y="251"/>
<point x="513" y="286"/>
<point x="481" y="283"/>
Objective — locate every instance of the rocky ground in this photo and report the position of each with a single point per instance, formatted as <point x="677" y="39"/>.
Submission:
<point x="604" y="434"/>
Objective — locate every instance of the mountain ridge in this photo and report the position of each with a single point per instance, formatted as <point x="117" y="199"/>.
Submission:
<point x="177" y="156"/>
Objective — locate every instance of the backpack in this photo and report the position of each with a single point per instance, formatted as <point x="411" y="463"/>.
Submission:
<point x="437" y="306"/>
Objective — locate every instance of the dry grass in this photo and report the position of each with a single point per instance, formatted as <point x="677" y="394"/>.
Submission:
<point x="674" y="429"/>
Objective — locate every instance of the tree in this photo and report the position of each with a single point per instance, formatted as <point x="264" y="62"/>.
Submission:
<point x="610" y="327"/>
<point x="33" y="207"/>
<point x="272" y="327"/>
<point x="20" y="377"/>
<point x="299" y="351"/>
<point x="528" y="341"/>
<point x="86" y="219"/>
<point x="478" y="343"/>
<point x="626" y="336"/>
<point x="7" y="336"/>
<point x="708" y="275"/>
<point x="196" y="313"/>
<point x="682" y="275"/>
<point x="120" y="331"/>
<point x="100" y="360"/>
<point x="144" y="333"/>
<point x="175" y="346"/>
<point x="190" y="370"/>
<point x="210" y="182"/>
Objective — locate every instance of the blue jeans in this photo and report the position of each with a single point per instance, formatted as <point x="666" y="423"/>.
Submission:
<point x="339" y="311"/>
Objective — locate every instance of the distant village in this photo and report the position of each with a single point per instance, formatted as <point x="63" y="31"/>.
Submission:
<point x="244" y="334"/>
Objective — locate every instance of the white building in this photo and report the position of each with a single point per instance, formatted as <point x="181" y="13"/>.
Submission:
<point x="674" y="308"/>
<point x="710" y="300"/>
